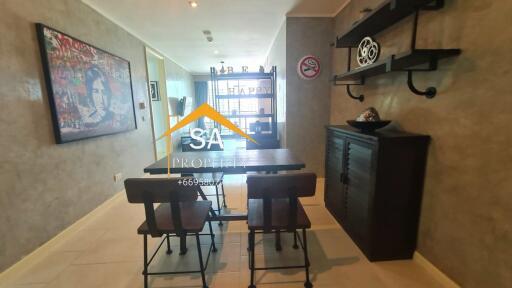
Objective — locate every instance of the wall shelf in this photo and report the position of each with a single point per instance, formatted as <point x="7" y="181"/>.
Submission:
<point x="380" y="18"/>
<point x="385" y="15"/>
<point x="401" y="62"/>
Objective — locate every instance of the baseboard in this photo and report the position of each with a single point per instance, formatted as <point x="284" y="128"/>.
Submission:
<point x="434" y="271"/>
<point x="44" y="249"/>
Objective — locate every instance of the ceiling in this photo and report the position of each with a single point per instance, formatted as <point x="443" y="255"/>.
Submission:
<point x="242" y="30"/>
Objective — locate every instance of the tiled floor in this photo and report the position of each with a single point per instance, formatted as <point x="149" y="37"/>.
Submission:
<point x="106" y="252"/>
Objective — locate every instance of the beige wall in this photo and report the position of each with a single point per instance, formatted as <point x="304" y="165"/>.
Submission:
<point x="277" y="57"/>
<point x="466" y="227"/>
<point x="308" y="101"/>
<point x="46" y="187"/>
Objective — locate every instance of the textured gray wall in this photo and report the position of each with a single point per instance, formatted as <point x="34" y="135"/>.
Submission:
<point x="466" y="227"/>
<point x="308" y="101"/>
<point x="46" y="187"/>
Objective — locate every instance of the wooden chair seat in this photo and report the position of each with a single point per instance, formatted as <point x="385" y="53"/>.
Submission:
<point x="280" y="215"/>
<point x="193" y="216"/>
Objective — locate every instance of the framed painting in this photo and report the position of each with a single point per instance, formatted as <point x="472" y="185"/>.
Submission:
<point x="89" y="90"/>
<point x="153" y="90"/>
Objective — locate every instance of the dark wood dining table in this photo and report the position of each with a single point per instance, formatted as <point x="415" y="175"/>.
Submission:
<point x="228" y="162"/>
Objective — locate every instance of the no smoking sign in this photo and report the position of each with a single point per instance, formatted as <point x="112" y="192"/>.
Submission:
<point x="308" y="67"/>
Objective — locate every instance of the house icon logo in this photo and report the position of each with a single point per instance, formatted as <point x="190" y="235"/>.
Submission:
<point x="206" y="110"/>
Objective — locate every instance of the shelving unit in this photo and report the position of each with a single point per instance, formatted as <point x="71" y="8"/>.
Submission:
<point x="400" y="62"/>
<point x="246" y="75"/>
<point x="229" y="94"/>
<point x="382" y="17"/>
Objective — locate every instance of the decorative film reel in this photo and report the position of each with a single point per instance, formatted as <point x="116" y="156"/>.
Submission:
<point x="368" y="52"/>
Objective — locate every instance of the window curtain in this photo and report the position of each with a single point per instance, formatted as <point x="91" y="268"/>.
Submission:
<point x="201" y="88"/>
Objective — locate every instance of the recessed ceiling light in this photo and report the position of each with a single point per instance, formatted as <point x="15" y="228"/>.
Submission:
<point x="192" y="4"/>
<point x="216" y="52"/>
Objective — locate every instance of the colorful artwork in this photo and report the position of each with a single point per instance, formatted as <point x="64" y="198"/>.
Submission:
<point x="89" y="90"/>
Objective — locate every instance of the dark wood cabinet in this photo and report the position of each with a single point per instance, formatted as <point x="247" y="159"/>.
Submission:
<point x="374" y="184"/>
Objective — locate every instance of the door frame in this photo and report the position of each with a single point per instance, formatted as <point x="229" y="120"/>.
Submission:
<point x="162" y="89"/>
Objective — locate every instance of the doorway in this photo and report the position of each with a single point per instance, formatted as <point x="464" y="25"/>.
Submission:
<point x="158" y="99"/>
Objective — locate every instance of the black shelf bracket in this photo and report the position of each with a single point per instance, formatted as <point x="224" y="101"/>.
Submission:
<point x="417" y="60"/>
<point x="360" y="97"/>
<point x="349" y="92"/>
<point x="430" y="92"/>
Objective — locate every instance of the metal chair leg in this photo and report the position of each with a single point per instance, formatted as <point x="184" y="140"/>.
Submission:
<point x="183" y="244"/>
<point x="145" y="272"/>
<point x="251" y="257"/>
<point x="203" y="277"/>
<point x="219" y="208"/>
<point x="295" y="246"/>
<point x="278" y="241"/>
<point x="169" y="250"/>
<point x="214" y="248"/>
<point x="308" y="283"/>
<point x="223" y="195"/>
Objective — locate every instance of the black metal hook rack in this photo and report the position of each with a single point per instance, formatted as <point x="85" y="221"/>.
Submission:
<point x="386" y="15"/>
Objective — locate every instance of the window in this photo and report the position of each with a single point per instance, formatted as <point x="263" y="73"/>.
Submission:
<point x="241" y="102"/>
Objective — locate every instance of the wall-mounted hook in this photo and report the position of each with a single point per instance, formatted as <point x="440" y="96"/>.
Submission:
<point x="429" y="93"/>
<point x="360" y="97"/>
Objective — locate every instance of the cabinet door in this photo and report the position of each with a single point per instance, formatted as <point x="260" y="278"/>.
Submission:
<point x="334" y="188"/>
<point x="359" y="190"/>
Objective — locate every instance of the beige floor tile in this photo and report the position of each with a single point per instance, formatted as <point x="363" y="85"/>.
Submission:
<point x="273" y="278"/>
<point x="111" y="275"/>
<point x="107" y="252"/>
<point x="116" y="245"/>
<point x="80" y="240"/>
<point x="227" y="259"/>
<point x="43" y="271"/>
<point x="225" y="280"/>
<point x="229" y="232"/>
<point x="265" y="243"/>
<point x="404" y="274"/>
<point x="320" y="217"/>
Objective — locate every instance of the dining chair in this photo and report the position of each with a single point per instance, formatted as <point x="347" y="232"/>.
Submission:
<point x="274" y="207"/>
<point x="179" y="214"/>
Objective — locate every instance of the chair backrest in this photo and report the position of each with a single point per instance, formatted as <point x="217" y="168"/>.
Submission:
<point x="287" y="186"/>
<point x="281" y="185"/>
<point x="161" y="190"/>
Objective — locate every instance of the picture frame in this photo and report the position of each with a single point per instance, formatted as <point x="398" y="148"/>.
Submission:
<point x="89" y="89"/>
<point x="154" y="91"/>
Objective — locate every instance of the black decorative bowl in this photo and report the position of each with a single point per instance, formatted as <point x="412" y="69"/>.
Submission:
<point x="369" y="126"/>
